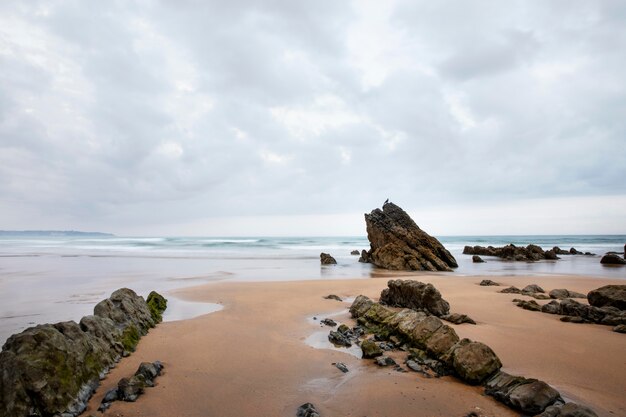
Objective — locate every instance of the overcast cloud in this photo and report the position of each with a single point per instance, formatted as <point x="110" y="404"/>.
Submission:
<point x="285" y="117"/>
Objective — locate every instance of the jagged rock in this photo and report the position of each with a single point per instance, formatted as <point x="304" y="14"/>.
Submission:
<point x="511" y="290"/>
<point x="532" y="288"/>
<point x="562" y="293"/>
<point x="339" y="339"/>
<point x="370" y="349"/>
<point x="528" y="395"/>
<point x="364" y="258"/>
<point x="473" y="361"/>
<point x="54" y="368"/>
<point x="149" y="371"/>
<point x="341" y="366"/>
<point x="157" y="305"/>
<point x="415" y="295"/>
<point x="477" y="259"/>
<point x="307" y="410"/>
<point x="457" y="318"/>
<point x="326" y="259"/>
<point x="608" y="296"/>
<point x="129" y="389"/>
<point x="612" y="259"/>
<point x="385" y="361"/>
<point x="573" y="319"/>
<point x="488" y="282"/>
<point x="397" y="243"/>
<point x="553" y="307"/>
<point x="511" y="252"/>
<point x="527" y="305"/>
<point x="329" y="322"/>
<point x="568" y="410"/>
<point x="333" y="297"/>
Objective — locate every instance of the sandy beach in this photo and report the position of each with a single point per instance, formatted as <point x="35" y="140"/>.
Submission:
<point x="251" y="358"/>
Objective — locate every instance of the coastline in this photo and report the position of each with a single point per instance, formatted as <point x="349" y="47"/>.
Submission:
<point x="251" y="358"/>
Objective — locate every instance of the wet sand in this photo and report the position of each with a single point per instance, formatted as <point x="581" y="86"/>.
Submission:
<point x="251" y="359"/>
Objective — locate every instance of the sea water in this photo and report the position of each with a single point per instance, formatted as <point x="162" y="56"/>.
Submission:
<point x="55" y="278"/>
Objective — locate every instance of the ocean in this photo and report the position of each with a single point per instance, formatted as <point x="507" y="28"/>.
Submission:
<point x="56" y="278"/>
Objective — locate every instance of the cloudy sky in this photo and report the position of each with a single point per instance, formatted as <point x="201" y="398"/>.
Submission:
<point x="295" y="117"/>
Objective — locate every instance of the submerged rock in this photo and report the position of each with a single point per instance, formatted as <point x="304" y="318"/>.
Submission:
<point x="415" y="295"/>
<point x="53" y="369"/>
<point x="397" y="243"/>
<point x="326" y="259"/>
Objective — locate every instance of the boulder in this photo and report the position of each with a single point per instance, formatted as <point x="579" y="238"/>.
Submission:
<point x="609" y="295"/>
<point x="54" y="369"/>
<point x="528" y="395"/>
<point x="553" y="307"/>
<point x="511" y="290"/>
<point x="157" y="305"/>
<point x="527" y="305"/>
<point x="415" y="295"/>
<point x="397" y="243"/>
<point x="326" y="259"/>
<point x="474" y="361"/>
<point x="488" y="282"/>
<point x="339" y="339"/>
<point x="370" y="349"/>
<point x="562" y="293"/>
<point x="532" y="288"/>
<point x="568" y="410"/>
<point x="307" y="410"/>
<point x="364" y="258"/>
<point x="477" y="259"/>
<point x="612" y="259"/>
<point x="355" y="252"/>
<point x="457" y="318"/>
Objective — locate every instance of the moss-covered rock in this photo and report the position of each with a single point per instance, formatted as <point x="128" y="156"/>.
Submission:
<point x="157" y="305"/>
<point x="370" y="349"/>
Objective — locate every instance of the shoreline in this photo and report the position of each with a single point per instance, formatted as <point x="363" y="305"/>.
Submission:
<point x="255" y="348"/>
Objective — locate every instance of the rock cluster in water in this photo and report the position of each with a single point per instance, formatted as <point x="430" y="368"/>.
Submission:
<point x="436" y="350"/>
<point x="530" y="253"/>
<point x="397" y="243"/>
<point x="53" y="369"/>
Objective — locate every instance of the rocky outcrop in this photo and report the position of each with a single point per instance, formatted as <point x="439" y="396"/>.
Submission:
<point x="129" y="389"/>
<point x="326" y="259"/>
<point x="436" y="350"/>
<point x="530" y="253"/>
<point x="608" y="296"/>
<point x="612" y="259"/>
<point x="415" y="295"/>
<point x="54" y="369"/>
<point x="397" y="243"/>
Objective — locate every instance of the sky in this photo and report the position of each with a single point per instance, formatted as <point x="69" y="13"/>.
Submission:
<point x="275" y="118"/>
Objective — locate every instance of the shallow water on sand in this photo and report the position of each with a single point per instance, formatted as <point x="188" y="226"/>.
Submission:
<point x="52" y="279"/>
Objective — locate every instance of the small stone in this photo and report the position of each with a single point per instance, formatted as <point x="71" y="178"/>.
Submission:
<point x="339" y="339"/>
<point x="341" y="366"/>
<point x="385" y="361"/>
<point x="488" y="282"/>
<point x="333" y="297"/>
<point x="329" y="322"/>
<point x="355" y="252"/>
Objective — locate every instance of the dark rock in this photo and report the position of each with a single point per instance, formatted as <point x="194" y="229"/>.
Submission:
<point x="528" y="395"/>
<point x="612" y="259"/>
<point x="609" y="295"/>
<point x="568" y="410"/>
<point x="326" y="259"/>
<point x="54" y="368"/>
<point x="354" y="252"/>
<point x="562" y="293"/>
<point x="341" y="366"/>
<point x="370" y="349"/>
<point x="149" y="371"/>
<point x="415" y="295"/>
<point x="339" y="339"/>
<point x="307" y="410"/>
<point x="620" y="328"/>
<point x="129" y="389"/>
<point x="528" y="305"/>
<point x="329" y="322"/>
<point x="553" y="307"/>
<point x="457" y="318"/>
<point x="511" y="290"/>
<point x="385" y="361"/>
<point x="397" y="243"/>
<point x="477" y="259"/>
<point x="560" y="251"/>
<point x="157" y="305"/>
<point x="333" y="297"/>
<point x="538" y="296"/>
<point x="364" y="258"/>
<point x="488" y="282"/>
<point x="511" y="252"/>
<point x="532" y="288"/>
<point x="573" y="319"/>
<point x="474" y="361"/>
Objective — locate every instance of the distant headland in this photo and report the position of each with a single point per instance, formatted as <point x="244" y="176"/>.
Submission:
<point x="53" y="233"/>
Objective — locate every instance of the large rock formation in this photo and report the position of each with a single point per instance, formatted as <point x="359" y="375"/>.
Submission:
<point x="608" y="296"/>
<point x="415" y="295"/>
<point x="53" y="369"/>
<point x="397" y="243"/>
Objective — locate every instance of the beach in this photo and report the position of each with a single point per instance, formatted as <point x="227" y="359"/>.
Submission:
<point x="254" y="357"/>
